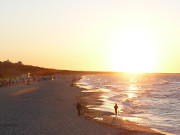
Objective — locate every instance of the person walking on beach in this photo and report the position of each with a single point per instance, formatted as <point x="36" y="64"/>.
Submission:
<point x="115" y="108"/>
<point x="79" y="108"/>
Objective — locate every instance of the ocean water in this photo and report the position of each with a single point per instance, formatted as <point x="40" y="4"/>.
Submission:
<point x="151" y="100"/>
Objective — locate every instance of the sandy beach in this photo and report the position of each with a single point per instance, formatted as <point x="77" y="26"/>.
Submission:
<point x="49" y="108"/>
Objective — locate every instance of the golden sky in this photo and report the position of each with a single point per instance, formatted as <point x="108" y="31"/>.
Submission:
<point x="92" y="35"/>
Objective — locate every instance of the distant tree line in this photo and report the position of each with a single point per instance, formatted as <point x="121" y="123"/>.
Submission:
<point x="9" y="69"/>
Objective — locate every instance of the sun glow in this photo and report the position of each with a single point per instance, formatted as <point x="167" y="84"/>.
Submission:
<point x="133" y="50"/>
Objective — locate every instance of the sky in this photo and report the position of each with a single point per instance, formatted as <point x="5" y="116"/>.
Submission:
<point x="92" y="35"/>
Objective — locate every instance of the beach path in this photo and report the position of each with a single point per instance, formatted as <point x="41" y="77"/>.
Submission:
<point x="45" y="108"/>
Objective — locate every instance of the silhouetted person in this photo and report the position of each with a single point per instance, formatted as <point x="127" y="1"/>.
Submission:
<point x="115" y="108"/>
<point x="79" y="108"/>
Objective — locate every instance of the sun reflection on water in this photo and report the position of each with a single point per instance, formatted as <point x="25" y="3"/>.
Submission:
<point x="132" y="91"/>
<point x="133" y="119"/>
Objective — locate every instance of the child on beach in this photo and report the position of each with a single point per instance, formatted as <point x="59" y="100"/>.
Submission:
<point x="79" y="108"/>
<point x="115" y="108"/>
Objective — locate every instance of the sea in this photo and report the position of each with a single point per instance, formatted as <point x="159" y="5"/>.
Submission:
<point x="151" y="100"/>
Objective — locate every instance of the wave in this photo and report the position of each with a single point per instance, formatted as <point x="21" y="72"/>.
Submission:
<point x="153" y="99"/>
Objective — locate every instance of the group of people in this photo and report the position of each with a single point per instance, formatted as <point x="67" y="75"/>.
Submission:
<point x="12" y="81"/>
<point x="79" y="108"/>
<point x="75" y="79"/>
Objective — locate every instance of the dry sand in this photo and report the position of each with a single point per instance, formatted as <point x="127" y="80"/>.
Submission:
<point x="48" y="108"/>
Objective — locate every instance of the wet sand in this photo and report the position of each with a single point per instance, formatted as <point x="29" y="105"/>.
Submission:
<point x="48" y="108"/>
<point x="45" y="108"/>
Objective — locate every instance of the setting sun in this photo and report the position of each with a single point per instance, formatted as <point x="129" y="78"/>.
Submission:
<point x="122" y="36"/>
<point x="133" y="50"/>
<point x="116" y="62"/>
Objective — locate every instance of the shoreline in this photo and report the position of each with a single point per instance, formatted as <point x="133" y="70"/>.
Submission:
<point x="90" y="100"/>
<point x="48" y="107"/>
